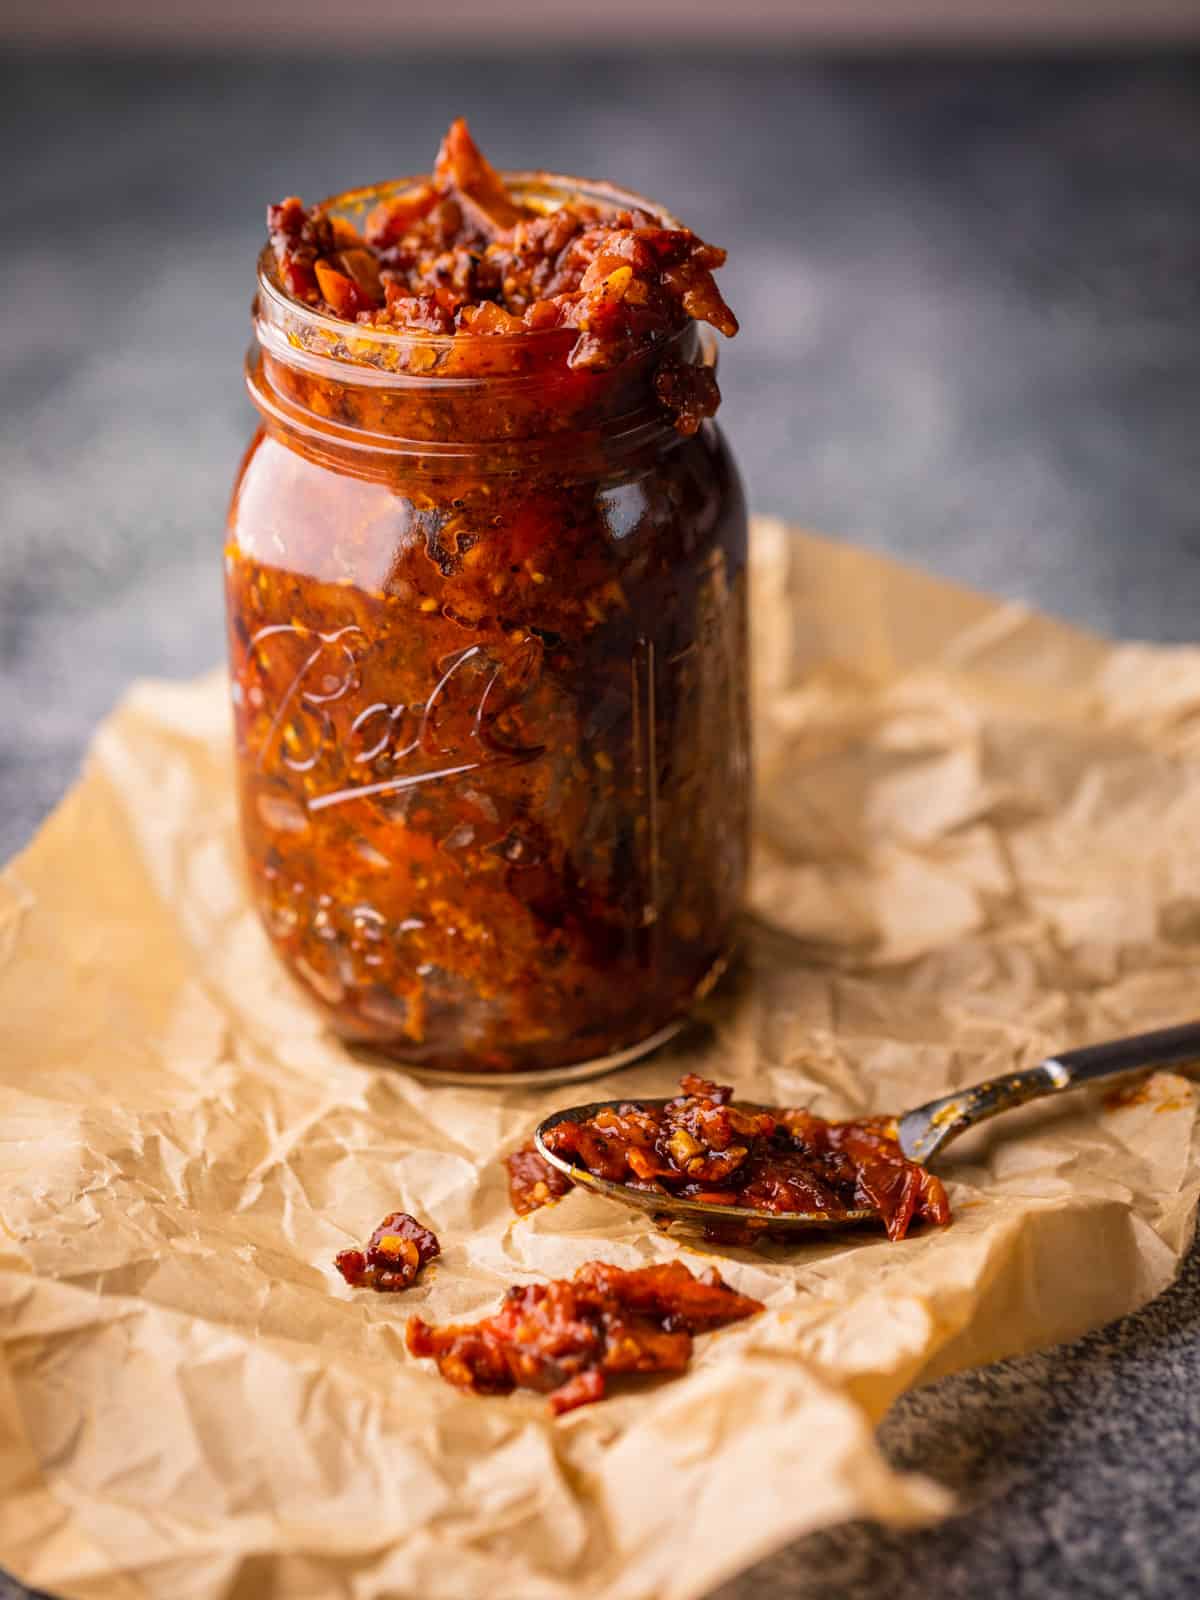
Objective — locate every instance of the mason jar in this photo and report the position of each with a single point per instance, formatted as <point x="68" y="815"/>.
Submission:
<point x="487" y="633"/>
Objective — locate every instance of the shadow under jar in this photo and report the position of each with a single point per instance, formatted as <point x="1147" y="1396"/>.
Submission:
<point x="487" y="630"/>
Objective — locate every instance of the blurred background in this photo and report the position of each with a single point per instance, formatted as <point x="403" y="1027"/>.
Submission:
<point x="964" y="238"/>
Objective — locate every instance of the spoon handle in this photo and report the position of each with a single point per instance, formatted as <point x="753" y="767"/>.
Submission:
<point x="929" y="1128"/>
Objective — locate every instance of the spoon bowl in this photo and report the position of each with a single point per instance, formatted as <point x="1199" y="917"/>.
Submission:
<point x="921" y="1133"/>
<point x="703" y="1213"/>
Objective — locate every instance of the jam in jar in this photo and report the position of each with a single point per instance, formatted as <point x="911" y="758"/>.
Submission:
<point x="487" y="619"/>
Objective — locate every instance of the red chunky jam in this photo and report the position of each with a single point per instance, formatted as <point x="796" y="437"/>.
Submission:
<point x="461" y="254"/>
<point x="392" y="1257"/>
<point x="569" y="1337"/>
<point x="486" y="598"/>
<point x="700" y="1146"/>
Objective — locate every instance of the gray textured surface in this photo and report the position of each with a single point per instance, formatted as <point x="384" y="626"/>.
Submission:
<point x="970" y="296"/>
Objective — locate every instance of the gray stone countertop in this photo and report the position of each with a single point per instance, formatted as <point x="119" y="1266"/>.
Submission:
<point x="970" y="293"/>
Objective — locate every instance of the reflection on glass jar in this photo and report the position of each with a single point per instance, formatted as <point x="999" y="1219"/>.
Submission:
<point x="487" y="634"/>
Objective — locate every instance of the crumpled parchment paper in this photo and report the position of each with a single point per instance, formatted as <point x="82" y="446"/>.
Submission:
<point x="977" y="837"/>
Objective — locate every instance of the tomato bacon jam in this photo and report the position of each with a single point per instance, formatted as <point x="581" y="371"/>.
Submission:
<point x="485" y="580"/>
<point x="700" y="1146"/>
<point x="461" y="255"/>
<point x="392" y="1256"/>
<point x="566" y="1338"/>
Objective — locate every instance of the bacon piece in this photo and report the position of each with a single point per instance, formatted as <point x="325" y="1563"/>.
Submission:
<point x="462" y="170"/>
<point x="390" y="220"/>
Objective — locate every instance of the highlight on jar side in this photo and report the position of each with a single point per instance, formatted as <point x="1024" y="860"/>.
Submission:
<point x="486" y="585"/>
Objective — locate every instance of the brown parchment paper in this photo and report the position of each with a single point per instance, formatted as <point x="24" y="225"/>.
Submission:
<point x="977" y="838"/>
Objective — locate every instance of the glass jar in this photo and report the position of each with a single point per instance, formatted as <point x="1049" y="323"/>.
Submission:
<point x="487" y="630"/>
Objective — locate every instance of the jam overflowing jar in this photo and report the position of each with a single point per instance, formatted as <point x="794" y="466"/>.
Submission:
<point x="487" y="631"/>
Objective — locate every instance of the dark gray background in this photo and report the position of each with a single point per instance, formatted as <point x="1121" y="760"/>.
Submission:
<point x="969" y="292"/>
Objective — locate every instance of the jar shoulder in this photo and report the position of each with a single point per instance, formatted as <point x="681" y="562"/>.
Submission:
<point x="303" y="514"/>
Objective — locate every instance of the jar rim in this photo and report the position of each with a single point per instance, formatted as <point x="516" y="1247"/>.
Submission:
<point x="354" y="344"/>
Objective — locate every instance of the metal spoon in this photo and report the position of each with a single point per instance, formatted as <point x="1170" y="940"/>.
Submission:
<point x="921" y="1132"/>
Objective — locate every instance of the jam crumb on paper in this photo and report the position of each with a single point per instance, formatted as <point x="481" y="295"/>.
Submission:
<point x="392" y="1257"/>
<point x="566" y="1338"/>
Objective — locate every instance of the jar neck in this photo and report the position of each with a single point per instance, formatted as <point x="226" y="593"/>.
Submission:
<point x="338" y="388"/>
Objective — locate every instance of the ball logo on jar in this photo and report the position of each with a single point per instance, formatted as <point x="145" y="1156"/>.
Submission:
<point x="471" y="718"/>
<point x="300" y="728"/>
